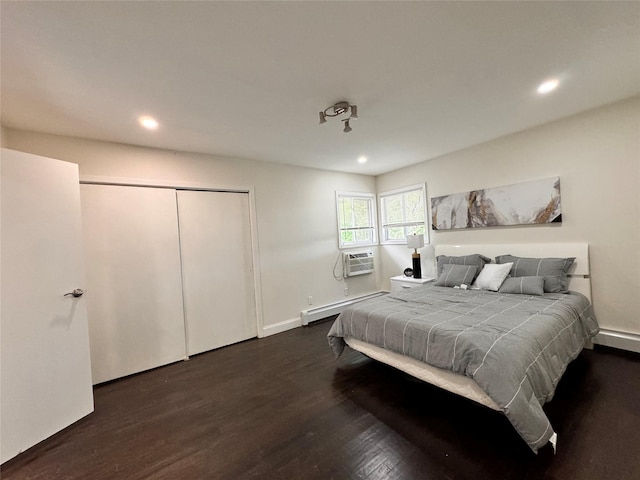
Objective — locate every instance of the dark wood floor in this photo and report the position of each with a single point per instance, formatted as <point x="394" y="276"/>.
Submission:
<point x="283" y="408"/>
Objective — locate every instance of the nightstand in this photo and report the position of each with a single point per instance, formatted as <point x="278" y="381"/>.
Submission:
<point x="401" y="282"/>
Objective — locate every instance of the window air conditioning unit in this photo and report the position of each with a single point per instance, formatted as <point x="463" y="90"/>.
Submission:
<point x="358" y="263"/>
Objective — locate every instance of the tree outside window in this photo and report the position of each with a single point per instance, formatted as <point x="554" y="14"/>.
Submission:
<point x="403" y="212"/>
<point x="356" y="219"/>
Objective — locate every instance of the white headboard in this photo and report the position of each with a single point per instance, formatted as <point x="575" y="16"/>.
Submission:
<point x="579" y="273"/>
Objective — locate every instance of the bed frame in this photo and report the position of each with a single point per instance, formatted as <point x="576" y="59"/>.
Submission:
<point x="579" y="281"/>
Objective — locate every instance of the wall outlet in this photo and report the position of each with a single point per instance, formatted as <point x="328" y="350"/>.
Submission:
<point x="346" y="291"/>
<point x="310" y="300"/>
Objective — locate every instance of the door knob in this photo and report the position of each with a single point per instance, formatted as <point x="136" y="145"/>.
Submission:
<point x="78" y="292"/>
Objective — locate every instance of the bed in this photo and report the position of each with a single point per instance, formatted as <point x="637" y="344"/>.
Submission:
<point x="504" y="350"/>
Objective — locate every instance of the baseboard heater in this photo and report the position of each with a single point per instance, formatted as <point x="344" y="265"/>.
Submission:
<point x="624" y="341"/>
<point x="325" y="311"/>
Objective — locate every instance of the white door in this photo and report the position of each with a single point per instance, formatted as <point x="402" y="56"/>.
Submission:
<point x="45" y="369"/>
<point x="133" y="256"/>
<point x="217" y="269"/>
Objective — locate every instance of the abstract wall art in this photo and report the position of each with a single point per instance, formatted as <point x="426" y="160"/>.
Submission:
<point x="535" y="202"/>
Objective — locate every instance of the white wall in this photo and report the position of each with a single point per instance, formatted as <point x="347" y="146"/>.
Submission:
<point x="296" y="214"/>
<point x="597" y="157"/>
<point x="596" y="154"/>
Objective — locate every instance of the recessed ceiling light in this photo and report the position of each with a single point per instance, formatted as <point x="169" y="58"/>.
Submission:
<point x="362" y="159"/>
<point x="148" y="122"/>
<point x="548" y="86"/>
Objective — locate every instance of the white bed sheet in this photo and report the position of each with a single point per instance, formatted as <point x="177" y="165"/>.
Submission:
<point x="452" y="382"/>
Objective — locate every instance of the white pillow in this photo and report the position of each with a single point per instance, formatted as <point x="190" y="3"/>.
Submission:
<point x="492" y="275"/>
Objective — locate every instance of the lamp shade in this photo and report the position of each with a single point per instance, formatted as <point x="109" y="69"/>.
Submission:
<point x="415" y="241"/>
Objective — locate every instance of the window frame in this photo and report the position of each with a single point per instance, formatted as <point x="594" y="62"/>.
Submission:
<point x="383" y="227"/>
<point x="373" y="218"/>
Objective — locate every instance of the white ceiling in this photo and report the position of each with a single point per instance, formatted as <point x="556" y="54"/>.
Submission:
<point x="247" y="79"/>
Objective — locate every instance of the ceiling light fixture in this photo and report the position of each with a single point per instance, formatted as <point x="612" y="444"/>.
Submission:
<point x="340" y="108"/>
<point x="362" y="159"/>
<point x="149" y="123"/>
<point x="548" y="86"/>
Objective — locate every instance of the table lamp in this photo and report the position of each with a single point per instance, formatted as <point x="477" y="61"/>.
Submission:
<point x="415" y="242"/>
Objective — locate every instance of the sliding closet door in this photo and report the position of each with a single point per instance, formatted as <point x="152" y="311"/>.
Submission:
<point x="217" y="269"/>
<point x="136" y="319"/>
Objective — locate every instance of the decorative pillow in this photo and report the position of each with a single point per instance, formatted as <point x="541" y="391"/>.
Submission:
<point x="454" y="275"/>
<point x="492" y="275"/>
<point x="523" y="285"/>
<point x="475" y="259"/>
<point x="554" y="270"/>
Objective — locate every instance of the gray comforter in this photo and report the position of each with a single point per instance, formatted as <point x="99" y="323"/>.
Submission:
<point x="516" y="347"/>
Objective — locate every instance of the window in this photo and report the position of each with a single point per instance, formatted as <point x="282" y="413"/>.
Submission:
<point x="402" y="213"/>
<point x="356" y="219"/>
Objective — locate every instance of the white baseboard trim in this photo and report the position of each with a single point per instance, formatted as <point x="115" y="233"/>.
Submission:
<point x="325" y="311"/>
<point x="624" y="341"/>
<point x="280" y="327"/>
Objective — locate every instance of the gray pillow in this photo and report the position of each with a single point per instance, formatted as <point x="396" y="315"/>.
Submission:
<point x="454" y="275"/>
<point x="554" y="270"/>
<point x="523" y="285"/>
<point x="475" y="259"/>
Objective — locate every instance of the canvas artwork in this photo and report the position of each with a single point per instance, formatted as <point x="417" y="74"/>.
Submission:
<point x="535" y="202"/>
